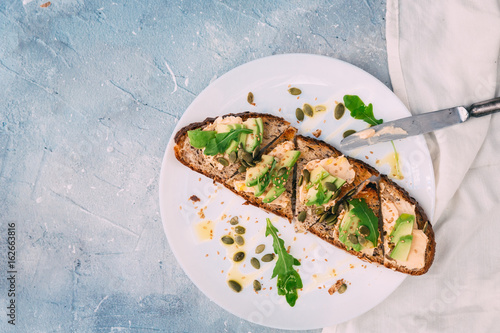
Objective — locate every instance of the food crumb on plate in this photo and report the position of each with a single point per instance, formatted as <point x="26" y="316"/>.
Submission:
<point x="317" y="133"/>
<point x="194" y="198"/>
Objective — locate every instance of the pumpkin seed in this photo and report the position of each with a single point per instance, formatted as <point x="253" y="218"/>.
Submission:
<point x="260" y="248"/>
<point x="319" y="108"/>
<point x="324" y="217"/>
<point x="295" y="91"/>
<point x="345" y="206"/>
<point x="251" y="164"/>
<point x="256" y="285"/>
<point x="362" y="240"/>
<point x="331" y="187"/>
<point x="227" y="240"/>
<point x="342" y="288"/>
<point x="336" y="194"/>
<point x="299" y="114"/>
<point x="302" y="216"/>
<point x="238" y="256"/>
<point x="364" y="230"/>
<point x="353" y="239"/>
<point x="250" y="98"/>
<point x="308" y="110"/>
<point x="339" y="111"/>
<point x="245" y="164"/>
<point x="233" y="156"/>
<point x="234" y="220"/>
<point x="241" y="152"/>
<point x="239" y="240"/>
<point x="301" y="179"/>
<point x="425" y="226"/>
<point x="223" y="161"/>
<point x="242" y="169"/>
<point x="319" y="211"/>
<point x="330" y="219"/>
<point x="234" y="285"/>
<point x="307" y="175"/>
<point x="256" y="152"/>
<point x="255" y="263"/>
<point x="239" y="230"/>
<point x="335" y="208"/>
<point x="282" y="171"/>
<point x="247" y="157"/>
<point x="348" y="132"/>
<point x="267" y="257"/>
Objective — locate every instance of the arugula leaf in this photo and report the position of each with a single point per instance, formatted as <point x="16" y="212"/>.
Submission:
<point x="199" y="139"/>
<point x="221" y="141"/>
<point x="289" y="280"/>
<point x="367" y="218"/>
<point x="360" y="111"/>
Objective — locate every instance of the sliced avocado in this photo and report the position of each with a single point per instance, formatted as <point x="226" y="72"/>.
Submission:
<point x="264" y="182"/>
<point x="402" y="248"/>
<point x="279" y="178"/>
<point x="261" y="126"/>
<point x="255" y="138"/>
<point x="311" y="197"/>
<point x="319" y="173"/>
<point x="348" y="231"/>
<point x="257" y="172"/>
<point x="402" y="227"/>
<point x="273" y="194"/>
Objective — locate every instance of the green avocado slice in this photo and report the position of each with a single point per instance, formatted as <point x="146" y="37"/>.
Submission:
<point x="402" y="248"/>
<point x="254" y="174"/>
<point x="273" y="194"/>
<point x="402" y="227"/>
<point x="287" y="162"/>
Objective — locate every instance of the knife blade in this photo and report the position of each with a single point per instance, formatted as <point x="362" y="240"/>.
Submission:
<point x="419" y="124"/>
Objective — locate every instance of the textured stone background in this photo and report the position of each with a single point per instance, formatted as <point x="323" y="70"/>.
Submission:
<point x="90" y="92"/>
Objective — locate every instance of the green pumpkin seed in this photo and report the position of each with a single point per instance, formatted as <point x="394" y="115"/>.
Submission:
<point x="319" y="211"/>
<point x="348" y="132"/>
<point x="233" y="156"/>
<point x="331" y="187"/>
<point x="241" y="152"/>
<point x="301" y="179"/>
<point x="353" y="239"/>
<point x="228" y="240"/>
<point x="362" y="240"/>
<point x="267" y="257"/>
<point x="324" y="217"/>
<point x="260" y="248"/>
<point x="255" y="263"/>
<point x="238" y="256"/>
<point x="307" y="175"/>
<point x="342" y="288"/>
<point x="223" y="161"/>
<point x="234" y="285"/>
<point x="302" y="216"/>
<point x="251" y="164"/>
<point x="239" y="230"/>
<point x="339" y="111"/>
<point x="319" y="108"/>
<point x="425" y="226"/>
<point x="299" y="114"/>
<point x="247" y="157"/>
<point x="364" y="230"/>
<point x="239" y="240"/>
<point x="245" y="164"/>
<point x="295" y="91"/>
<point x="256" y="152"/>
<point x="234" y="220"/>
<point x="242" y="169"/>
<point x="332" y="219"/>
<point x="335" y="208"/>
<point x="250" y="98"/>
<point x="308" y="110"/>
<point x="282" y="171"/>
<point x="256" y="285"/>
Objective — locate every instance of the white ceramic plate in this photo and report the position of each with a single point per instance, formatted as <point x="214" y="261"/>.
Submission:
<point x="206" y="262"/>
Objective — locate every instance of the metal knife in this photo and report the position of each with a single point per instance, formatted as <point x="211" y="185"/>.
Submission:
<point x="420" y="124"/>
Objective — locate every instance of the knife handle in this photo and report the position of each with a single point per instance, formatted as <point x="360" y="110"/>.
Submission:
<point x="485" y="108"/>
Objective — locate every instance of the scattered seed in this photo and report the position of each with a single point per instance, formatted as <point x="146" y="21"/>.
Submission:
<point x="255" y="263"/>
<point x="223" y="161"/>
<point x="234" y="220"/>
<point x="330" y="219"/>
<point x="256" y="285"/>
<point x="238" y="256"/>
<point x="247" y="157"/>
<point x="239" y="230"/>
<point x="242" y="169"/>
<point x="301" y="179"/>
<point x="239" y="240"/>
<point x="336" y="194"/>
<point x="331" y="187"/>
<point x="245" y="164"/>
<point x="425" y="226"/>
<point x="319" y="108"/>
<point x="362" y="240"/>
<point x="299" y="114"/>
<point x="364" y="230"/>
<point x="256" y="152"/>
<point x="227" y="240"/>
<point x="233" y="156"/>
<point x="339" y="111"/>
<point x="234" y="285"/>
<point x="260" y="248"/>
<point x="308" y="110"/>
<point x="302" y="216"/>
<point x="348" y="132"/>
<point x="267" y="257"/>
<point x="307" y="175"/>
<point x="250" y="98"/>
<point x="342" y="288"/>
<point x="294" y="91"/>
<point x="323" y="217"/>
<point x="353" y="239"/>
<point x="319" y="211"/>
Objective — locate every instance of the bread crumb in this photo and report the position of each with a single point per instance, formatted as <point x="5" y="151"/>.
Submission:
<point x="45" y="5"/>
<point x="317" y="133"/>
<point x="336" y="286"/>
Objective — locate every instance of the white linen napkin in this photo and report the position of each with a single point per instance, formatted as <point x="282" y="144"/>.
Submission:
<point x="443" y="54"/>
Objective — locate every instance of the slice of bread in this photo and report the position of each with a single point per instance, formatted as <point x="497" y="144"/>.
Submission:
<point x="283" y="205"/>
<point x="194" y="158"/>
<point x="395" y="200"/>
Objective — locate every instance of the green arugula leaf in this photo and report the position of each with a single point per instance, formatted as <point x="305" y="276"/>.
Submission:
<point x="360" y="111"/>
<point x="221" y="141"/>
<point x="289" y="280"/>
<point x="199" y="139"/>
<point x="366" y="217"/>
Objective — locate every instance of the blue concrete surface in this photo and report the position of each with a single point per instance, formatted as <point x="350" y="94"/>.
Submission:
<point x="90" y="92"/>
